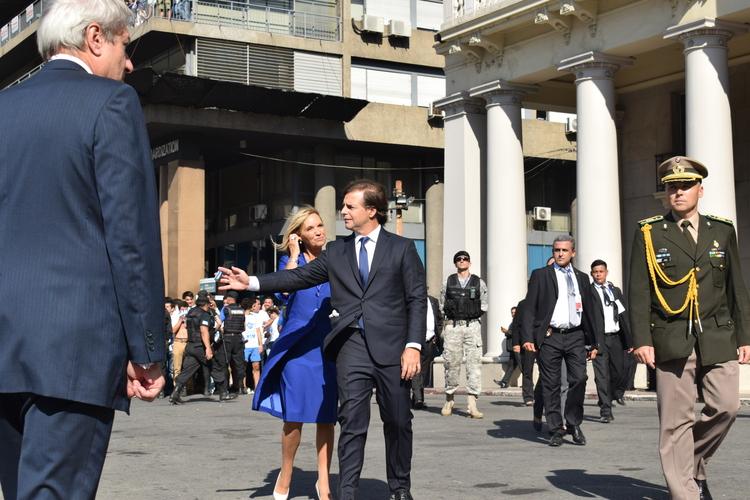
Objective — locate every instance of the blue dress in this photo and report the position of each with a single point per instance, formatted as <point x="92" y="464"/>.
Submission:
<point x="298" y="384"/>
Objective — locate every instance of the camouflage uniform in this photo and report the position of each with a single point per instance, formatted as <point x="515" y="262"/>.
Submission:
<point x="459" y="339"/>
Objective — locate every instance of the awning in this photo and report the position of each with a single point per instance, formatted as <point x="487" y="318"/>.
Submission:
<point x="181" y="90"/>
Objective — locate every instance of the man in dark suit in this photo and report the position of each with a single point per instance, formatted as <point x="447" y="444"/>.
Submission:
<point x="80" y="226"/>
<point x="434" y="331"/>
<point x="611" y="319"/>
<point x="558" y="322"/>
<point x="690" y="314"/>
<point x="378" y="291"/>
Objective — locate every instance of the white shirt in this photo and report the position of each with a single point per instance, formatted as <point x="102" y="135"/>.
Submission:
<point x="254" y="321"/>
<point x="273" y="329"/>
<point x="610" y="324"/>
<point x="561" y="315"/>
<point x="67" y="57"/>
<point x="430" y="322"/>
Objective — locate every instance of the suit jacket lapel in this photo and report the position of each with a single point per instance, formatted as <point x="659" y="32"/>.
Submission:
<point x="349" y="244"/>
<point x="553" y="279"/>
<point x="380" y="252"/>
<point x="673" y="233"/>
<point x="705" y="236"/>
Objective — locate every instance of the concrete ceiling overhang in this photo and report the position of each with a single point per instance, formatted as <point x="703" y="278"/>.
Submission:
<point x="503" y="41"/>
<point x="11" y="8"/>
<point x="189" y="91"/>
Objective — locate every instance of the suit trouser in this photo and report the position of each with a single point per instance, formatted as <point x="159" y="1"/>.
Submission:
<point x="608" y="372"/>
<point x="51" y="448"/>
<point x="559" y="348"/>
<point x="418" y="382"/>
<point x="527" y="371"/>
<point x="514" y="361"/>
<point x="686" y="445"/>
<point x="357" y="374"/>
<point x="538" y="395"/>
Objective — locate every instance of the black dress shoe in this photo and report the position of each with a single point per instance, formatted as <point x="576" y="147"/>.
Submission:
<point x="418" y="405"/>
<point x="537" y="423"/>
<point x="227" y="396"/>
<point x="703" y="488"/>
<point x="605" y="419"/>
<point x="503" y="384"/>
<point x="401" y="494"/>
<point x="620" y="401"/>
<point x="577" y="433"/>
<point x="556" y="439"/>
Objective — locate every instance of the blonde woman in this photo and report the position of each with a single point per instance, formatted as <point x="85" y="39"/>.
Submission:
<point x="298" y="384"/>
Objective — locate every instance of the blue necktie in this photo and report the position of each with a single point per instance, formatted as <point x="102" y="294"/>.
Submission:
<point x="364" y="267"/>
<point x="364" y="273"/>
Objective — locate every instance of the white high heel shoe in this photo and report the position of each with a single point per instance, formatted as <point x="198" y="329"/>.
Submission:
<point x="276" y="495"/>
<point x="317" y="490"/>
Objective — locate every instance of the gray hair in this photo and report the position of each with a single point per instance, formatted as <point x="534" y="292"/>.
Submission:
<point x="565" y="237"/>
<point x="64" y="23"/>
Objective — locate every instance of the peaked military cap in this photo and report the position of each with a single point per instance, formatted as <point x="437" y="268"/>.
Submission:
<point x="681" y="168"/>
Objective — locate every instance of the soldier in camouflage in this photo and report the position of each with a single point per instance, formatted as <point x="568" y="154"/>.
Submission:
<point x="463" y="300"/>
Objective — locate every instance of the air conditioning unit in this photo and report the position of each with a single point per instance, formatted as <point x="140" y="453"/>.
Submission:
<point x="433" y="113"/>
<point x="400" y="28"/>
<point x="372" y="24"/>
<point x="259" y="212"/>
<point x="571" y="126"/>
<point x="543" y="213"/>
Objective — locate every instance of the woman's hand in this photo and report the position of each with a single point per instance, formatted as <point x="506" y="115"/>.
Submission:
<point x="233" y="279"/>
<point x="294" y="248"/>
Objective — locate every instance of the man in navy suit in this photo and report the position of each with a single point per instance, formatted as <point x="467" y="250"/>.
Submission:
<point x="378" y="290"/>
<point x="557" y="321"/>
<point x="79" y="219"/>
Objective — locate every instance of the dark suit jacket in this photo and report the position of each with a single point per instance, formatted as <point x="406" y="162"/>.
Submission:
<point x="393" y="304"/>
<point x="540" y="302"/>
<point x="722" y="296"/>
<point x="515" y="325"/>
<point x="437" y="315"/>
<point x="622" y="317"/>
<point x="81" y="283"/>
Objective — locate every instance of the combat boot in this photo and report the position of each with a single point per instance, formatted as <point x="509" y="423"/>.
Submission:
<point x="472" y="407"/>
<point x="175" y="398"/>
<point x="448" y="406"/>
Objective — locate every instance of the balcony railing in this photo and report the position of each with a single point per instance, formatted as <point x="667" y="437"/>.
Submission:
<point x="241" y="14"/>
<point x="234" y="13"/>
<point x="23" y="20"/>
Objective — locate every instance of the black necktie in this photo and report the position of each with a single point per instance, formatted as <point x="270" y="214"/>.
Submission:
<point x="608" y="302"/>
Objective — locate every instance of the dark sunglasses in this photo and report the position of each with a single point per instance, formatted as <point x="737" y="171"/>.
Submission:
<point x="459" y="259"/>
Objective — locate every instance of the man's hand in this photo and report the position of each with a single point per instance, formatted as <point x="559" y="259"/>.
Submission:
<point x="645" y="355"/>
<point x="743" y="354"/>
<point x="233" y="279"/>
<point x="592" y="354"/>
<point x="410" y="363"/>
<point x="144" y="384"/>
<point x="529" y="346"/>
<point x="209" y="353"/>
<point x="516" y="348"/>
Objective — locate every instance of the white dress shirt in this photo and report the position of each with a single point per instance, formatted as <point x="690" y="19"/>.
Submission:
<point x="430" y="322"/>
<point x="561" y="316"/>
<point x="610" y="324"/>
<point x="67" y="57"/>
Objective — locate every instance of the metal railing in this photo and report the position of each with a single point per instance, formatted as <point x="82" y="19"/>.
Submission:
<point x="23" y="20"/>
<point x="241" y="14"/>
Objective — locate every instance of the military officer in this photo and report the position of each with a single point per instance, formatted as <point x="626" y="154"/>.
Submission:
<point x="198" y="352"/>
<point x="464" y="301"/>
<point x="690" y="317"/>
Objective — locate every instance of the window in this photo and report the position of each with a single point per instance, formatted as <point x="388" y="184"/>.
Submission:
<point x="409" y="86"/>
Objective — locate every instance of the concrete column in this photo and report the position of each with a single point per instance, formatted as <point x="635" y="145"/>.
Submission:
<point x="464" y="130"/>
<point x="599" y="235"/>
<point x="325" y="190"/>
<point x="164" y="180"/>
<point x="434" y="203"/>
<point x="506" y="206"/>
<point x="708" y="116"/>
<point x="186" y="237"/>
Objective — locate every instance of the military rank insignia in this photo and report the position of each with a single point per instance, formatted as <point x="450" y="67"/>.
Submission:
<point x="715" y="252"/>
<point x="663" y="256"/>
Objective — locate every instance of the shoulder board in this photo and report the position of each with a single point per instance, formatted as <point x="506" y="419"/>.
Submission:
<point x="656" y="218"/>
<point x="720" y="219"/>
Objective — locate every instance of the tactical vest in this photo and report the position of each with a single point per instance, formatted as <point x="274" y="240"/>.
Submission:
<point x="463" y="303"/>
<point x="193" y="320"/>
<point x="234" y="319"/>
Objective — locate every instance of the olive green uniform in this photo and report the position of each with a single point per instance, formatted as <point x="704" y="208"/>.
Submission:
<point x="702" y="356"/>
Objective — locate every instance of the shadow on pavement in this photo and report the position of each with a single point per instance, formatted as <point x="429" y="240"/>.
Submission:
<point x="614" y="487"/>
<point x="518" y="429"/>
<point x="303" y="486"/>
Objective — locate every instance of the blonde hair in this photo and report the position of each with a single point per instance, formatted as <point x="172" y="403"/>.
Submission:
<point x="294" y="222"/>
<point x="63" y="23"/>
